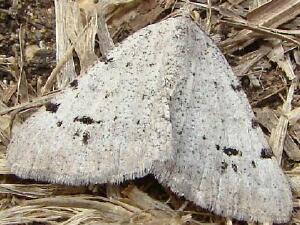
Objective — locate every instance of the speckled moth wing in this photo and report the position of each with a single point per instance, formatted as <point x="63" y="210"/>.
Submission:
<point x="112" y="123"/>
<point x="223" y="162"/>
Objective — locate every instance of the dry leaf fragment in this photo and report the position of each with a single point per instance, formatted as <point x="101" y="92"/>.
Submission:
<point x="247" y="61"/>
<point x="268" y="119"/>
<point x="271" y="14"/>
<point x="22" y="91"/>
<point x="81" y="31"/>
<point x="294" y="115"/>
<point x="279" y="133"/>
<point x="67" y="72"/>
<point x="283" y="61"/>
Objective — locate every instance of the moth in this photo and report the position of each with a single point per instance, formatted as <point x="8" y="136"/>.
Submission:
<point x="223" y="162"/>
<point x="110" y="125"/>
<point x="165" y="102"/>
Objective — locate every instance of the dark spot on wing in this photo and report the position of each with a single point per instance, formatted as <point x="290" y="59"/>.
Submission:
<point x="234" y="167"/>
<point x="254" y="123"/>
<point x="74" y="84"/>
<point x="106" y="61"/>
<point x="231" y="151"/>
<point x="76" y="134"/>
<point x="224" y="166"/>
<point x="203" y="137"/>
<point x="144" y="96"/>
<point x="85" y="137"/>
<point x="208" y="45"/>
<point x="59" y="123"/>
<point x="52" y="107"/>
<point x="266" y="153"/>
<point x="218" y="147"/>
<point x="236" y="87"/>
<point x="253" y="164"/>
<point x="85" y="120"/>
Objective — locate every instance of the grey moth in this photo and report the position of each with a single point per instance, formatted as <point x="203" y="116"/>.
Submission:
<point x="166" y="102"/>
<point x="222" y="160"/>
